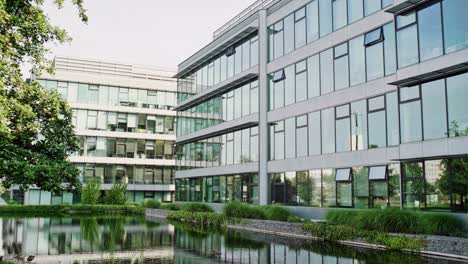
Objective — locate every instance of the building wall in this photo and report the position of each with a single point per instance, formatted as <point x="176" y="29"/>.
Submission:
<point x="125" y="123"/>
<point x="358" y="106"/>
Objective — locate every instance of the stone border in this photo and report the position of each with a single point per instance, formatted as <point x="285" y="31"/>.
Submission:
<point x="438" y="246"/>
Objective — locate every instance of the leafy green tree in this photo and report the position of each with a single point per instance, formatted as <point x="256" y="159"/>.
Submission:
<point x="116" y="195"/>
<point x="36" y="133"/>
<point x="90" y="192"/>
<point x="454" y="178"/>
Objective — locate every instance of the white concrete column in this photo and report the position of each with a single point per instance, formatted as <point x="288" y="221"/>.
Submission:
<point x="263" y="107"/>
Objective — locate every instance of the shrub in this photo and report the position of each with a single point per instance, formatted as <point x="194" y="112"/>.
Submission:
<point x="398" y="221"/>
<point x="241" y="210"/>
<point x="90" y="192"/>
<point x="170" y="206"/>
<point x="276" y="213"/>
<point x="196" y="207"/>
<point x="116" y="195"/>
<point x="199" y="219"/>
<point x="150" y="203"/>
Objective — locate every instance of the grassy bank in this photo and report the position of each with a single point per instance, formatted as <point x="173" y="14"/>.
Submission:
<point x="67" y="210"/>
<point x="200" y="219"/>
<point x="332" y="232"/>
<point x="399" y="221"/>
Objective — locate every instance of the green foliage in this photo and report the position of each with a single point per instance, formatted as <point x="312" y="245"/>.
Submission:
<point x="116" y="195"/>
<point x="196" y="207"/>
<point x="66" y="210"/>
<point x="276" y="213"/>
<point x="36" y="132"/>
<point x="150" y="203"/>
<point x="170" y="206"/>
<point x="90" y="192"/>
<point x="332" y="232"/>
<point x="201" y="219"/>
<point x="242" y="210"/>
<point x="395" y="220"/>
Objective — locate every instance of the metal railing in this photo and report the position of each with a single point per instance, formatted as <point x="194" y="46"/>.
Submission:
<point x="257" y="5"/>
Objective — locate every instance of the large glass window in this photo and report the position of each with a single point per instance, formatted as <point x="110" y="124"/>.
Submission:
<point x="457" y="92"/>
<point x="288" y="34"/>
<point x="314" y="133"/>
<point x="341" y="63"/>
<point x="279" y="140"/>
<point x="301" y="81"/>
<point x="278" y="45"/>
<point x="374" y="54"/>
<point x="326" y="15"/>
<point x="434" y="110"/>
<point x="371" y="6"/>
<point x="289" y="85"/>
<point x="290" y="137"/>
<point x="355" y="10"/>
<point x="455" y="24"/>
<point x="328" y="131"/>
<point x="300" y="28"/>
<point x="389" y="48"/>
<point x="312" y="21"/>
<point x="343" y="128"/>
<point x="357" y="57"/>
<point x="410" y="114"/>
<point x="301" y="136"/>
<point x="326" y="71"/>
<point x="376" y="119"/>
<point x="328" y="188"/>
<point x="393" y="127"/>
<point x="407" y="39"/>
<point x="313" y="76"/>
<point x="340" y="14"/>
<point x="430" y="32"/>
<point x="358" y="125"/>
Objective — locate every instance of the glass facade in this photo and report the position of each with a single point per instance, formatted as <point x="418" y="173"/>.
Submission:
<point x="316" y="20"/>
<point x="232" y="148"/>
<point x="219" y="189"/>
<point x="349" y="95"/>
<point x="85" y="93"/>
<point x="358" y="187"/>
<point x="428" y="111"/>
<point x="234" y="104"/>
<point x="237" y="58"/>
<point x="127" y="174"/>
<point x="84" y="119"/>
<point x="134" y="121"/>
<point x="356" y="61"/>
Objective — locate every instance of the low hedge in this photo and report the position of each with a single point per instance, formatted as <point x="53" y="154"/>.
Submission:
<point x="332" y="232"/>
<point x="399" y="221"/>
<point x="201" y="219"/>
<point x="196" y="207"/>
<point x="268" y="212"/>
<point x="150" y="203"/>
<point x="61" y="210"/>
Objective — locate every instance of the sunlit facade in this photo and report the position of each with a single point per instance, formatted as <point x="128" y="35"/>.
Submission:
<point x="321" y="104"/>
<point x="125" y="123"/>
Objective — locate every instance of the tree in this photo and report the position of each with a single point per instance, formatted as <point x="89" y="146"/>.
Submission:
<point x="36" y="133"/>
<point x="454" y="178"/>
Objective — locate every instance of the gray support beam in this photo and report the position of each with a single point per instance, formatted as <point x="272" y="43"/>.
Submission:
<point x="263" y="94"/>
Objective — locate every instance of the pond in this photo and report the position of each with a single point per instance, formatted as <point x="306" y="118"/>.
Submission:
<point x="136" y="240"/>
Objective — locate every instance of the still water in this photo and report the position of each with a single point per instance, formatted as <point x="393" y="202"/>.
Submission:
<point x="135" y="240"/>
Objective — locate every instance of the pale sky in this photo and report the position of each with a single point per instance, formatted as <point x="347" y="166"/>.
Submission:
<point x="150" y="32"/>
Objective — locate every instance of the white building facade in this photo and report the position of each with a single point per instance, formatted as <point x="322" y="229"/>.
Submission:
<point x="318" y="104"/>
<point x="124" y="120"/>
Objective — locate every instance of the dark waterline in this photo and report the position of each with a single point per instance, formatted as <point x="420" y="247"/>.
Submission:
<point x="135" y="240"/>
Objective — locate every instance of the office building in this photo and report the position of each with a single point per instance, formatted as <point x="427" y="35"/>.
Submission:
<point x="316" y="104"/>
<point x="124" y="120"/>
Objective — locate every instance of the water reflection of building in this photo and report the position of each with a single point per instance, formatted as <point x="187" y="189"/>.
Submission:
<point x="63" y="240"/>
